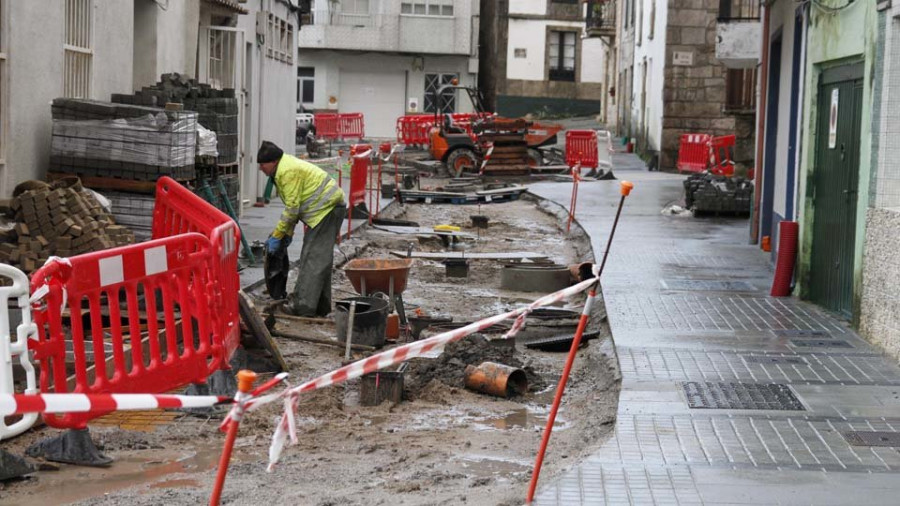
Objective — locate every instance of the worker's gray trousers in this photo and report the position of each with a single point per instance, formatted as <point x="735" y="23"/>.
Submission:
<point x="312" y="293"/>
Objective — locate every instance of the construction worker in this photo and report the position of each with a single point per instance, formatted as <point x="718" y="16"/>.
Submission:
<point x="310" y="195"/>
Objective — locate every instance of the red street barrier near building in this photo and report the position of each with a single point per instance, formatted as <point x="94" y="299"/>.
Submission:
<point x="581" y="149"/>
<point x="412" y="130"/>
<point x="138" y="319"/>
<point x="722" y="148"/>
<point x="178" y="211"/>
<point x="361" y="156"/>
<point x="693" y="153"/>
<point x="332" y="126"/>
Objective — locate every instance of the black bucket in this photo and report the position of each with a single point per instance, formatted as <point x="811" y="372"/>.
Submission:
<point x="368" y="321"/>
<point x="457" y="267"/>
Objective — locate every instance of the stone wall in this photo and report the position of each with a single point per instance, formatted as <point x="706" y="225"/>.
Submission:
<point x="694" y="94"/>
<point x="880" y="303"/>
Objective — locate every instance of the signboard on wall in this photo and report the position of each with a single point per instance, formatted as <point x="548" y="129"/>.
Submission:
<point x="832" y="119"/>
<point x="683" y="58"/>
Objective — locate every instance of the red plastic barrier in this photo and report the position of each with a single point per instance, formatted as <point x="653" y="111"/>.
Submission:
<point x="722" y="148"/>
<point x="331" y="126"/>
<point x="359" y="173"/>
<point x="693" y="154"/>
<point x="581" y="148"/>
<point x="412" y="130"/>
<point x="178" y="211"/>
<point x="135" y="319"/>
<point x="788" y="236"/>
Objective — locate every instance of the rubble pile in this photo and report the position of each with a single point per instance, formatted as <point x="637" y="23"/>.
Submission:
<point x="61" y="221"/>
<point x="709" y="193"/>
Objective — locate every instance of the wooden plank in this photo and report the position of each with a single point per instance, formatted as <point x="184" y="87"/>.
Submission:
<point x="505" y="255"/>
<point x="420" y="231"/>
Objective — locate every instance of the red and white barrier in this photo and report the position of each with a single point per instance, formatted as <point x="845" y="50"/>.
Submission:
<point x="19" y="404"/>
<point x="427" y="348"/>
<point x="14" y="346"/>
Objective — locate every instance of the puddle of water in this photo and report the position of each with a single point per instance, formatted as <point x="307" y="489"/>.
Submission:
<point x="77" y="483"/>
<point x="527" y="418"/>
<point x="491" y="466"/>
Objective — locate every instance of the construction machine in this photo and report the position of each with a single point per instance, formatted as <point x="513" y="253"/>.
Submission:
<point x="514" y="145"/>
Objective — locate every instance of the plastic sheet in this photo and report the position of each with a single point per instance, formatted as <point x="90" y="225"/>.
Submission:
<point x="206" y="142"/>
<point x="165" y="139"/>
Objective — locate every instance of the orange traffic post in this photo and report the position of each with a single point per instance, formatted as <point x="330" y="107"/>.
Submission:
<point x="245" y="385"/>
<point x="625" y="190"/>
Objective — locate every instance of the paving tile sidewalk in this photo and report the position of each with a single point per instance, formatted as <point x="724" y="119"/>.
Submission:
<point x="776" y="384"/>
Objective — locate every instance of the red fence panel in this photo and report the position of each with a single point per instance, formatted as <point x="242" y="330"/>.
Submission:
<point x="331" y="126"/>
<point x="326" y="125"/>
<point x="693" y="153"/>
<point x="135" y="319"/>
<point x="412" y="130"/>
<point x="359" y="173"/>
<point x="581" y="148"/>
<point x="178" y="211"/>
<point x="722" y="148"/>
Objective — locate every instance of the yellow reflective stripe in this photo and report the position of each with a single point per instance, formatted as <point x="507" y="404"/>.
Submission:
<point x="316" y="195"/>
<point x="323" y="202"/>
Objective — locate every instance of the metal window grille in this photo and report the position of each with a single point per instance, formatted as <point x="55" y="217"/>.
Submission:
<point x="280" y="39"/>
<point x="738" y="9"/>
<point x="428" y="8"/>
<point x="562" y="56"/>
<point x="433" y="83"/>
<point x="222" y="49"/>
<point x="740" y="90"/>
<point x="78" y="49"/>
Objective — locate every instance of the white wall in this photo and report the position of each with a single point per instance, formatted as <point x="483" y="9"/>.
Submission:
<point x="165" y="40"/>
<point x="531" y="34"/>
<point x="272" y="103"/>
<point x="653" y="52"/>
<point x="528" y="6"/>
<point x="34" y="32"/>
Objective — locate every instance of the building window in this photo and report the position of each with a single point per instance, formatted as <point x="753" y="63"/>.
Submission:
<point x="562" y="56"/>
<point x="280" y="39"/>
<point x="427" y="7"/>
<point x="358" y="7"/>
<point x="652" y="26"/>
<point x="433" y="83"/>
<point x="740" y="90"/>
<point x="77" y="49"/>
<point x="306" y="85"/>
<point x="222" y="46"/>
<point x="520" y="52"/>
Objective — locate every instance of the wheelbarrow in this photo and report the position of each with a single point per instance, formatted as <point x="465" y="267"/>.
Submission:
<point x="384" y="275"/>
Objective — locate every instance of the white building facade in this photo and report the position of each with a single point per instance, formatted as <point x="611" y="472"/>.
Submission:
<point x="386" y="58"/>
<point x="551" y="68"/>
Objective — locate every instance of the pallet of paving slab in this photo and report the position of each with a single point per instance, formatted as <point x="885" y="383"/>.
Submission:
<point x="505" y="255"/>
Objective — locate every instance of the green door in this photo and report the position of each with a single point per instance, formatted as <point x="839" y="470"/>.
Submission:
<point x="835" y="183"/>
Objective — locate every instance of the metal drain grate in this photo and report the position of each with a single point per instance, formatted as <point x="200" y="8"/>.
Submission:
<point x="873" y="438"/>
<point x="759" y="359"/>
<point x="770" y="396"/>
<point x="820" y="343"/>
<point x="801" y="333"/>
<point x="707" y="285"/>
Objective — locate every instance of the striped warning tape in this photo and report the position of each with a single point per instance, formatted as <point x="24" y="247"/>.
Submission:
<point x="18" y="404"/>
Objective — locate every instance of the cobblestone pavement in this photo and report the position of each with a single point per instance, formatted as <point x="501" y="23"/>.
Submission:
<point x="729" y="396"/>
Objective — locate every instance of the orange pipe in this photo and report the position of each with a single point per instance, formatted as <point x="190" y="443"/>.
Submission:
<point x="496" y="379"/>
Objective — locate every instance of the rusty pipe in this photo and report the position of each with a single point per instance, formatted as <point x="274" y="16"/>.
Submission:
<point x="582" y="272"/>
<point x="496" y="379"/>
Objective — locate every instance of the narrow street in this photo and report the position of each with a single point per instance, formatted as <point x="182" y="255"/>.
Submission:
<point x="729" y="396"/>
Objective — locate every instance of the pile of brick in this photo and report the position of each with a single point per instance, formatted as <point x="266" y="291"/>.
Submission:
<point x="93" y="138"/>
<point x="217" y="109"/>
<point x="706" y="193"/>
<point x="62" y="221"/>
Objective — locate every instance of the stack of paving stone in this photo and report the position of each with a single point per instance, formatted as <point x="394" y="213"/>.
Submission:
<point x="130" y="142"/>
<point x="61" y="221"/>
<point x="217" y="109"/>
<point x="707" y="193"/>
<point x="134" y="211"/>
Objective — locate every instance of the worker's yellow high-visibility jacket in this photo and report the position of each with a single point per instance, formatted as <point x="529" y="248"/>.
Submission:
<point x="308" y="193"/>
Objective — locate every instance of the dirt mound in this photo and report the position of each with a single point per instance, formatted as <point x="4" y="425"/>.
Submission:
<point x="450" y="367"/>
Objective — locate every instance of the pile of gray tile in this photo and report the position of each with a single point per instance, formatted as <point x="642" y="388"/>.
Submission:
<point x="134" y="211"/>
<point x="706" y="193"/>
<point x="93" y="138"/>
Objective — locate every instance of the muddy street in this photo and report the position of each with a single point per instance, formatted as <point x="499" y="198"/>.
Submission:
<point x="443" y="444"/>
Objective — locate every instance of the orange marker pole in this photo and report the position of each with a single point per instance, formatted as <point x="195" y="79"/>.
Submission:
<point x="626" y="188"/>
<point x="245" y="385"/>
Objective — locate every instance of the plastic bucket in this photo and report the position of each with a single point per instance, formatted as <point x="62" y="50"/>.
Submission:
<point x="368" y="321"/>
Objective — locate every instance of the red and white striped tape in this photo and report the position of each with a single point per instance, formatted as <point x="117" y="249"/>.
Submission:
<point x="487" y="158"/>
<point x="18" y="404"/>
<point x="429" y="348"/>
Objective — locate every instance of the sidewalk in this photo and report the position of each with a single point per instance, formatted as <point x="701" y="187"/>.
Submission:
<point x="728" y="396"/>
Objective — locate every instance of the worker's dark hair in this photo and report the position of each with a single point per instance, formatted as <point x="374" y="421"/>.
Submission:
<point x="268" y="152"/>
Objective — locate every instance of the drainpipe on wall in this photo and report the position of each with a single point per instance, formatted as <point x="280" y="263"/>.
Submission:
<point x="760" y="126"/>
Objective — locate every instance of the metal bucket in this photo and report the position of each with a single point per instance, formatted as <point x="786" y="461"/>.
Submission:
<point x="368" y="322"/>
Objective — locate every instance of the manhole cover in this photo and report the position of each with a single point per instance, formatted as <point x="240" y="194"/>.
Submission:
<point x="758" y="359"/>
<point x="706" y="285"/>
<point x="873" y="438"/>
<point x="820" y="343"/>
<point x="802" y="333"/>
<point x="770" y="396"/>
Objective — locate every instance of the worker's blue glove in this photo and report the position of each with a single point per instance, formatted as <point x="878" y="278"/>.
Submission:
<point x="287" y="240"/>
<point x="274" y="245"/>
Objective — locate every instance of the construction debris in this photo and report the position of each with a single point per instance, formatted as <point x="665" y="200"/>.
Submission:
<point x="60" y="221"/>
<point x="711" y="194"/>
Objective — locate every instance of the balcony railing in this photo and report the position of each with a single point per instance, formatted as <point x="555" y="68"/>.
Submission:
<point x="600" y="18"/>
<point x="735" y="10"/>
<point x="333" y="18"/>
